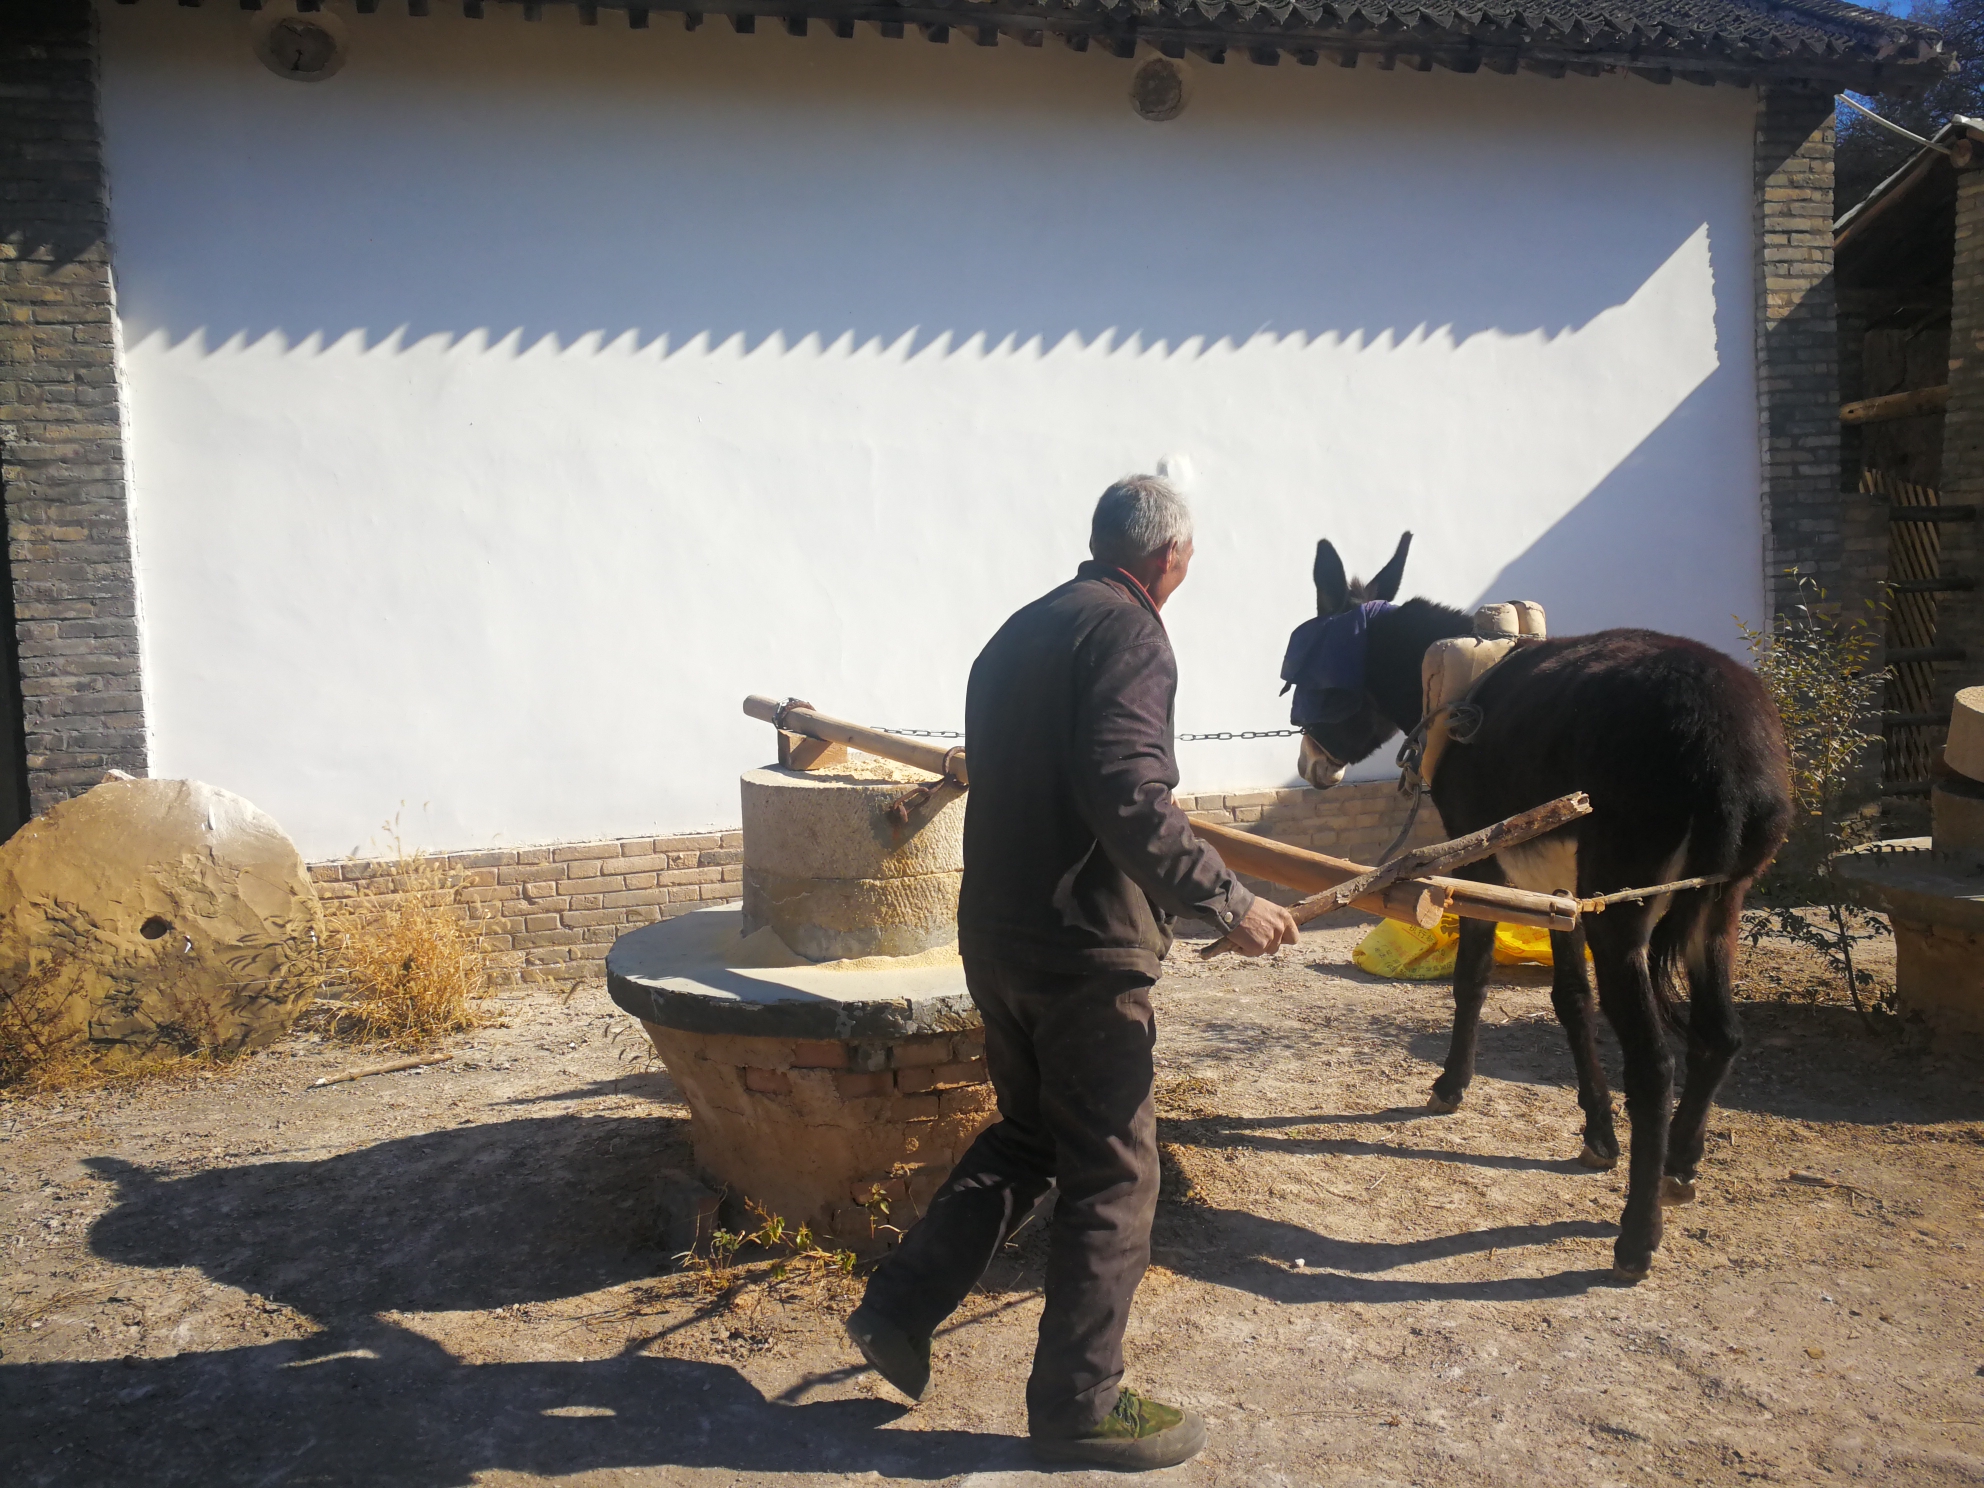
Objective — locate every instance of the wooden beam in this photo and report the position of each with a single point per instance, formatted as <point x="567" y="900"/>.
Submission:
<point x="1311" y="872"/>
<point x="1958" y="512"/>
<point x="797" y="718"/>
<point x="1952" y="584"/>
<point x="1911" y="404"/>
<point x="1903" y="654"/>
<point x="1419" y="904"/>
<point x="1523" y="827"/>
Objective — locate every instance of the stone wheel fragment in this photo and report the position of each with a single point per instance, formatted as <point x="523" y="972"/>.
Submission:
<point x="150" y="915"/>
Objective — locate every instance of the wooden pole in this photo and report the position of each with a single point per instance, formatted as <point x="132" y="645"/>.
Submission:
<point x="1472" y="848"/>
<point x="798" y="719"/>
<point x="1461" y="850"/>
<point x="1417" y="903"/>
<point x="1299" y="868"/>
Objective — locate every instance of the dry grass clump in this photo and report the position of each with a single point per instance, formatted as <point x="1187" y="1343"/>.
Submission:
<point x="45" y="1048"/>
<point x="401" y="959"/>
<point x="39" y="1049"/>
<point x="782" y="1259"/>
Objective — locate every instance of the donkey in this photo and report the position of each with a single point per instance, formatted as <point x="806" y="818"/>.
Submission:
<point x="1683" y="757"/>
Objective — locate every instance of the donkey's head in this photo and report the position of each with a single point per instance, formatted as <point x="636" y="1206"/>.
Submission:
<point x="1335" y="594"/>
<point x="1360" y="663"/>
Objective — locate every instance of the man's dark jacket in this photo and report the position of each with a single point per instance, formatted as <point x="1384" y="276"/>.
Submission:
<point x="1075" y="857"/>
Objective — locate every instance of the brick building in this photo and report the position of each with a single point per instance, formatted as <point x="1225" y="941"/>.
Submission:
<point x="1910" y="266"/>
<point x="452" y="415"/>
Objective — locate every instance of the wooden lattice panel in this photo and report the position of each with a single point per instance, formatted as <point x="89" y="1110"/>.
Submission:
<point x="1914" y="553"/>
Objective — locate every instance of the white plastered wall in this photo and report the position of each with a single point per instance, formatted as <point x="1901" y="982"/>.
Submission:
<point x="509" y="405"/>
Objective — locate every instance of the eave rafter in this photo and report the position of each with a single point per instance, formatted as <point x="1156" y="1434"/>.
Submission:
<point x="1348" y="33"/>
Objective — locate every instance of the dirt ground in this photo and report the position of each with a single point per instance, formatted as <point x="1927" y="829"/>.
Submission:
<point x="456" y="1276"/>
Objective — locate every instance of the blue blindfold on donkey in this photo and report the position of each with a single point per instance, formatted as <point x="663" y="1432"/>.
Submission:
<point x="1325" y="658"/>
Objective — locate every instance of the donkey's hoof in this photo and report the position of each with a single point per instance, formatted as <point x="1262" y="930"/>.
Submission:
<point x="1439" y="1105"/>
<point x="1676" y="1191"/>
<point x="1597" y="1161"/>
<point x="1630" y="1275"/>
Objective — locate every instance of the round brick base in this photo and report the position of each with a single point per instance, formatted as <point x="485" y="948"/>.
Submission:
<point x="852" y="1139"/>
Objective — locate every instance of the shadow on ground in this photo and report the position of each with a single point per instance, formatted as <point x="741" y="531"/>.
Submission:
<point x="1234" y="1248"/>
<point x="378" y="1405"/>
<point x="1806" y="1061"/>
<point x="477" y="1217"/>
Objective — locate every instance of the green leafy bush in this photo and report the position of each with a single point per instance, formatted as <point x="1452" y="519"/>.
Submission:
<point x="1814" y="664"/>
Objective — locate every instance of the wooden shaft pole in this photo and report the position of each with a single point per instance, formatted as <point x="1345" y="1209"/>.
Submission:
<point x="1419" y="904"/>
<point x="797" y="720"/>
<point x="1300" y="868"/>
<point x="1520" y="828"/>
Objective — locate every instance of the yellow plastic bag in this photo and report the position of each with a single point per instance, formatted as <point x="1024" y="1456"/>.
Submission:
<point x="1408" y="953"/>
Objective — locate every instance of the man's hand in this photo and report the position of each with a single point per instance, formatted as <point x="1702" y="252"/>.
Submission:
<point x="1267" y="927"/>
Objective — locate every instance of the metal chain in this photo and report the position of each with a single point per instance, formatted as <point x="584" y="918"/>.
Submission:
<point x="1221" y="737"/>
<point x="1243" y="734"/>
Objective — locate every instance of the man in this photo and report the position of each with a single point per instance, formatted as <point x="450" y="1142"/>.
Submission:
<point x="1075" y="862"/>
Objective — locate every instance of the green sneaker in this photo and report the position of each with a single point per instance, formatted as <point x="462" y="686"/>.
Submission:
<point x="1138" y="1435"/>
<point x="901" y="1360"/>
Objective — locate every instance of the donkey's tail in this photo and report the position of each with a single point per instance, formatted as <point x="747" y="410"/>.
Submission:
<point x="1731" y="838"/>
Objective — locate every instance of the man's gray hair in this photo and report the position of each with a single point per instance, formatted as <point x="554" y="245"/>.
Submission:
<point x="1136" y="517"/>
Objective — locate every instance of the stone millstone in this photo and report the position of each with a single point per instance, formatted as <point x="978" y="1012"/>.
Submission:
<point x="158" y="913"/>
<point x="824" y="871"/>
<point x="1963" y="751"/>
<point x="814" y="1089"/>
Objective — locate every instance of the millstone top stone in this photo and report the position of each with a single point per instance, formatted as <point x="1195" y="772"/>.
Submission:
<point x="825" y="869"/>
<point x="1963" y="751"/>
<point x="848" y="927"/>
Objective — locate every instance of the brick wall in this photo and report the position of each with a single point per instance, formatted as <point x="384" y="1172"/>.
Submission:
<point x="1960" y="618"/>
<point x="550" y="914"/>
<point x="1349" y="821"/>
<point x="61" y="440"/>
<point x="1809" y="526"/>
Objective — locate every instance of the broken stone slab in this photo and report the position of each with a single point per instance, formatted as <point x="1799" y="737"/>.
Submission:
<point x="149" y="914"/>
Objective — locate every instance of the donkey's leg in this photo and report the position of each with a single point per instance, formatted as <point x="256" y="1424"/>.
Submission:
<point x="1471" y="965"/>
<point x="1570" y="995"/>
<point x="1626" y="993"/>
<point x="1715" y="1034"/>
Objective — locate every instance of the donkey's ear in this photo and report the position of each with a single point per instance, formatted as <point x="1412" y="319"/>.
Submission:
<point x="1384" y="583"/>
<point x="1332" y="589"/>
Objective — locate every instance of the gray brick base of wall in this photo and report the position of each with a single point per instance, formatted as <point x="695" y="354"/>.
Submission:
<point x="548" y="915"/>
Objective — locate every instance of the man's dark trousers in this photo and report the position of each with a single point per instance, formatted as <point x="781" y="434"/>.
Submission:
<point x="1070" y="1060"/>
